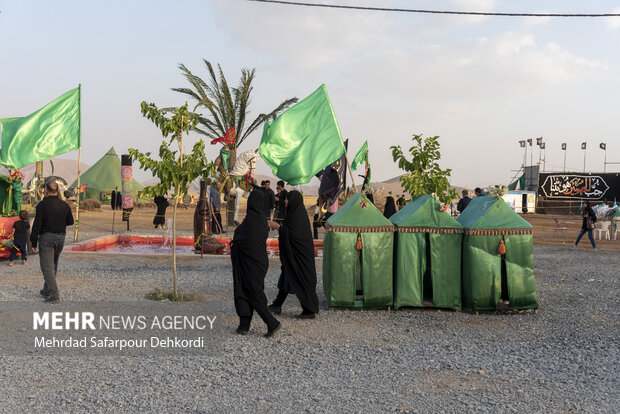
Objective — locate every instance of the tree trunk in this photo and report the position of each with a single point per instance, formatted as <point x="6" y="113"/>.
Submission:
<point x="174" y="245"/>
<point x="232" y="159"/>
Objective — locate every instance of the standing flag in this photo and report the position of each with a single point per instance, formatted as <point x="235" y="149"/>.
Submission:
<point x="583" y="145"/>
<point x="361" y="156"/>
<point x="50" y="131"/>
<point x="83" y="188"/>
<point x="333" y="181"/>
<point x="303" y="139"/>
<point x="126" y="186"/>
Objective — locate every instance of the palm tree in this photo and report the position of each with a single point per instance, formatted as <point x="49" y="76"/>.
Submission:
<point x="227" y="106"/>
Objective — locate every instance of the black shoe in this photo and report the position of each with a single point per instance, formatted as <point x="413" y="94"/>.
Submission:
<point x="272" y="332"/>
<point x="241" y="331"/>
<point x="275" y="309"/>
<point x="52" y="299"/>
<point x="44" y="293"/>
<point x="304" y="315"/>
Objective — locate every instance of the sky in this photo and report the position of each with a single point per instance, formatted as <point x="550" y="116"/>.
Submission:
<point x="480" y="83"/>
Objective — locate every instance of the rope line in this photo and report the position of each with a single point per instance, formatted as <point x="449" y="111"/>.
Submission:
<point x="466" y="13"/>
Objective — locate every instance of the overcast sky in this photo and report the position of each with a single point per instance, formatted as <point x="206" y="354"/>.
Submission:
<point x="480" y="83"/>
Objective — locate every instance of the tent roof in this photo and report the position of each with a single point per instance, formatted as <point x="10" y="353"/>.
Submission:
<point x="354" y="215"/>
<point x="105" y="174"/>
<point x="424" y="212"/>
<point x="490" y="213"/>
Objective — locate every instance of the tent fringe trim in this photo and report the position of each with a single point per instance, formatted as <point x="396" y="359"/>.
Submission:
<point x="440" y="230"/>
<point x="352" y="229"/>
<point x="496" y="232"/>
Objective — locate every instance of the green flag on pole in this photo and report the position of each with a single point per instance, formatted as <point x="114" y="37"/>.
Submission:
<point x="361" y="156"/>
<point x="303" y="140"/>
<point x="50" y="131"/>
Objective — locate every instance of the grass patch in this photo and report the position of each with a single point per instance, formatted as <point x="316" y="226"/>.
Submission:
<point x="157" y="294"/>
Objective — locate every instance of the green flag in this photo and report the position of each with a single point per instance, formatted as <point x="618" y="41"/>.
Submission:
<point x="303" y="140"/>
<point x="361" y="156"/>
<point x="50" y="131"/>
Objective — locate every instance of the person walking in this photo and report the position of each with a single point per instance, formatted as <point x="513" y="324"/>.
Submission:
<point x="589" y="218"/>
<point x="216" y="206"/>
<point x="297" y="256"/>
<point x="248" y="254"/>
<point x="20" y="238"/>
<point x="48" y="232"/>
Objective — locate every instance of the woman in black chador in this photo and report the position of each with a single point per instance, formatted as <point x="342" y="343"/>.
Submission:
<point x="390" y="207"/>
<point x="248" y="253"/>
<point x="160" y="217"/>
<point x="297" y="256"/>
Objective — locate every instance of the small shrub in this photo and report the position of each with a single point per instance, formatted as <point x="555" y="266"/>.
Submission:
<point x="90" y="205"/>
<point x="157" y="294"/>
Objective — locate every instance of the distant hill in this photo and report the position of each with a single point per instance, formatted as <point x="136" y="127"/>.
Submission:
<point x="62" y="167"/>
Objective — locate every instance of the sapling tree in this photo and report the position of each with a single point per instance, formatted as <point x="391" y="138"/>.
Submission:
<point x="174" y="169"/>
<point x="423" y="173"/>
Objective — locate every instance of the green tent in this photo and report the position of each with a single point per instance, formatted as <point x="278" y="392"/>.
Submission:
<point x="489" y="276"/>
<point x="428" y="255"/>
<point x="103" y="177"/>
<point x="357" y="256"/>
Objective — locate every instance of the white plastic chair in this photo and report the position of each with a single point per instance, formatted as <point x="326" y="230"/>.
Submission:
<point x="605" y="228"/>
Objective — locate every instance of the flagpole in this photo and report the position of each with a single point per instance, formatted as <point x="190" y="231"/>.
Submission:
<point x="350" y="172"/>
<point x="79" y="188"/>
<point x="77" y="206"/>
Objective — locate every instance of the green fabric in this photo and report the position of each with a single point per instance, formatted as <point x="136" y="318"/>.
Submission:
<point x="376" y="270"/>
<point x="52" y="130"/>
<point x="225" y="154"/>
<point x="410" y="268"/>
<point x="411" y="256"/>
<point x="521" y="181"/>
<point x="104" y="176"/>
<point x="361" y="156"/>
<point x="424" y="211"/>
<point x="340" y="260"/>
<point x="303" y="140"/>
<point x="520" y="271"/>
<point x="490" y="213"/>
<point x="341" y="257"/>
<point x="339" y="263"/>
<point x="445" y="252"/>
<point x="482" y="266"/>
<point x="358" y="212"/>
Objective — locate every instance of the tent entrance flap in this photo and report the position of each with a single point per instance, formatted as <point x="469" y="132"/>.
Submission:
<point x="359" y="285"/>
<point x="427" y="280"/>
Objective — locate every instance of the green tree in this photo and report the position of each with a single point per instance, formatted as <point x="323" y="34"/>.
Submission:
<point x="423" y="173"/>
<point x="174" y="169"/>
<point x="227" y="106"/>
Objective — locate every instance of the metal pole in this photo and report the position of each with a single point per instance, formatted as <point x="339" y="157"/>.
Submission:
<point x="584" y="160"/>
<point x="605" y="162"/>
<point x="564" y="160"/>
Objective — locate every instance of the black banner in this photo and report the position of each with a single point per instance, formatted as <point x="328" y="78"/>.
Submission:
<point x="579" y="186"/>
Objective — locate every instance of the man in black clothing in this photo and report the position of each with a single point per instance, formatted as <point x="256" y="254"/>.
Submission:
<point x="280" y="205"/>
<point x="272" y="199"/>
<point x="48" y="231"/>
<point x="463" y="202"/>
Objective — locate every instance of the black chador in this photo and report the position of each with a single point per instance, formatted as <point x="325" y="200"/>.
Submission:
<point x="160" y="217"/>
<point x="248" y="253"/>
<point x="297" y="256"/>
<point x="390" y="207"/>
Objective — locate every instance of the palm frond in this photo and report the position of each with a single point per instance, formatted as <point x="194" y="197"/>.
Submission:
<point x="266" y="117"/>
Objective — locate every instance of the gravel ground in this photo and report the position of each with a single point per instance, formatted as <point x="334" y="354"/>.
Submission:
<point x="564" y="358"/>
